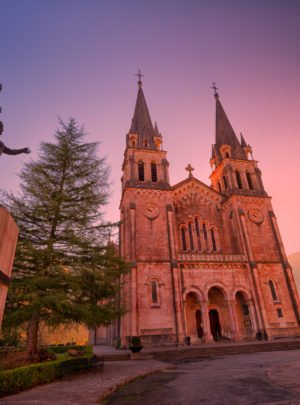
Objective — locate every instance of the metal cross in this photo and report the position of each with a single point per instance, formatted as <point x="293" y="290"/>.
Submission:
<point x="189" y="169"/>
<point x="215" y="87"/>
<point x="139" y="75"/>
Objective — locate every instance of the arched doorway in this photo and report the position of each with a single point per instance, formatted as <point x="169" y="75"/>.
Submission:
<point x="194" y="324"/>
<point x="243" y="316"/>
<point x="219" y="317"/>
<point x="215" y="326"/>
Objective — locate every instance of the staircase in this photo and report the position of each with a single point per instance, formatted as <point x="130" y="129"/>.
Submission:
<point x="204" y="351"/>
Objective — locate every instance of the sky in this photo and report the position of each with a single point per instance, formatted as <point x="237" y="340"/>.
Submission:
<point x="78" y="58"/>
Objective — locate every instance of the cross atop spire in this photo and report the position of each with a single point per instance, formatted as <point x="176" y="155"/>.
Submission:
<point x="139" y="75"/>
<point x="189" y="169"/>
<point x="215" y="88"/>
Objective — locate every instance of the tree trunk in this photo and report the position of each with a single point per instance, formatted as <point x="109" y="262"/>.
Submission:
<point x="32" y="335"/>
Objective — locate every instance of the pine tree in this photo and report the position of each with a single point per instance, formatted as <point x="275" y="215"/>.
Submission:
<point x="64" y="269"/>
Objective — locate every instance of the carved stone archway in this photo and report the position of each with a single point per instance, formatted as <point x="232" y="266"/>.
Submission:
<point x="194" y="322"/>
<point x="243" y="313"/>
<point x="221" y="324"/>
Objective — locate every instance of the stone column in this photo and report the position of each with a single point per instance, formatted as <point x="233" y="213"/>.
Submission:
<point x="207" y="336"/>
<point x="252" y="316"/>
<point x="8" y="241"/>
<point x="234" y="322"/>
<point x="133" y="281"/>
<point x="286" y="268"/>
<point x="254" y="279"/>
<point x="175" y="277"/>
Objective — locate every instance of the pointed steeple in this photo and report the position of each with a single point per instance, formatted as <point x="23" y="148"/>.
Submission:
<point x="243" y="142"/>
<point x="225" y="134"/>
<point x="141" y="124"/>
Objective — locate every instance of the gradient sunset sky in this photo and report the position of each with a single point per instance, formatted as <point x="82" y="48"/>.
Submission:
<point x="77" y="58"/>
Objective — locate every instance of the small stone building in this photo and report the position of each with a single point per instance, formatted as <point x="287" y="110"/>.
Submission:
<point x="207" y="262"/>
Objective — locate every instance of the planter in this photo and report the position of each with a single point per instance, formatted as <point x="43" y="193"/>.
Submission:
<point x="135" y="349"/>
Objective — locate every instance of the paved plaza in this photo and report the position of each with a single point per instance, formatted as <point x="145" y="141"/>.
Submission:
<point x="256" y="378"/>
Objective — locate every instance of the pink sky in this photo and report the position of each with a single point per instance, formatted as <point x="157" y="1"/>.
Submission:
<point x="78" y="58"/>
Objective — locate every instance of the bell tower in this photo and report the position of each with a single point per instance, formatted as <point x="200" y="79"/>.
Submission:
<point x="233" y="171"/>
<point x="145" y="164"/>
<point x="147" y="234"/>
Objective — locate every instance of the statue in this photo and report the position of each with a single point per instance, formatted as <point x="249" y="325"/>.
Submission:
<point x="5" y="149"/>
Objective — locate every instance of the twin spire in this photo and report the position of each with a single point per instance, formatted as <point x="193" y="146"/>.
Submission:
<point x="141" y="123"/>
<point x="147" y="134"/>
<point x="225" y="135"/>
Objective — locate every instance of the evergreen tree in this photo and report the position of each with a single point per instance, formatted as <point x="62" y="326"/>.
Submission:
<point x="64" y="269"/>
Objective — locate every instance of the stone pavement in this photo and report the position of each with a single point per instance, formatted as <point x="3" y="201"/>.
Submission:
<point x="90" y="387"/>
<point x="86" y="388"/>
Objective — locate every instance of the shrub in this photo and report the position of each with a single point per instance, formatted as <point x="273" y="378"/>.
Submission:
<point x="22" y="378"/>
<point x="136" y="341"/>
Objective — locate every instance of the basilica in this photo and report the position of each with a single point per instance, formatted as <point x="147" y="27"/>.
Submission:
<point x="207" y="261"/>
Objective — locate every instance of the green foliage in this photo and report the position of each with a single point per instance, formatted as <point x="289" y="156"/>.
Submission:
<point x="22" y="378"/>
<point x="136" y="341"/>
<point x="64" y="349"/>
<point x="65" y="270"/>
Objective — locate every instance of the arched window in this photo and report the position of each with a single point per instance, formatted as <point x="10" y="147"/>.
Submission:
<point x="213" y="239"/>
<point x="273" y="291"/>
<point x="145" y="144"/>
<point x="227" y="155"/>
<point x="154" y="292"/>
<point x="191" y="235"/>
<point x="183" y="238"/>
<point x="198" y="232"/>
<point x="153" y="172"/>
<point x="239" y="180"/>
<point x="225" y="182"/>
<point x="205" y="235"/>
<point x="141" y="171"/>
<point x="250" y="182"/>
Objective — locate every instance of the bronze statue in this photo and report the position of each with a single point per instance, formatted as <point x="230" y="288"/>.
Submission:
<point x="8" y="151"/>
<point x="5" y="149"/>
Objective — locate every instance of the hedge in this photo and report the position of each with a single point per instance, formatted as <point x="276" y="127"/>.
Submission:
<point x="23" y="378"/>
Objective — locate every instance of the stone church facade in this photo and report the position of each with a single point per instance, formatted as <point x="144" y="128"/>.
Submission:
<point x="207" y="262"/>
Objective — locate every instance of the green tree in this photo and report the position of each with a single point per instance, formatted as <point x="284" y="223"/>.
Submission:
<point x="64" y="269"/>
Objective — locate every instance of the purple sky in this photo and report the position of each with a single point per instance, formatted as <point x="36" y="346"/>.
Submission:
<point x="78" y="58"/>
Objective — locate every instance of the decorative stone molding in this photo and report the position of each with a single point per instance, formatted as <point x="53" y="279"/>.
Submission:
<point x="210" y="258"/>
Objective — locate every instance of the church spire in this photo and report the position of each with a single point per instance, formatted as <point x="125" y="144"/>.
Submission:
<point x="225" y="134"/>
<point x="141" y="124"/>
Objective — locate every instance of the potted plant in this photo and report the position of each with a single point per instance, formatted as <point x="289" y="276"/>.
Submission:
<point x="135" y="344"/>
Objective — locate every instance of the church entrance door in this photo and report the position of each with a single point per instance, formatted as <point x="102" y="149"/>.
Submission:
<point x="199" y="323"/>
<point x="193" y="316"/>
<point x="215" y="326"/>
<point x="243" y="316"/>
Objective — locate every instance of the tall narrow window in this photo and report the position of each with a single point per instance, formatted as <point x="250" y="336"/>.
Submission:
<point x="273" y="291"/>
<point x="183" y="238"/>
<point x="154" y="294"/>
<point x="191" y="236"/>
<point x="227" y="155"/>
<point x="250" y="182"/>
<point x="225" y="182"/>
<point x="239" y="180"/>
<point x="205" y="235"/>
<point x="279" y="313"/>
<point x="213" y="239"/>
<point x="220" y="190"/>
<point x="141" y="171"/>
<point x="153" y="172"/>
<point x="198" y="233"/>
<point x="205" y="231"/>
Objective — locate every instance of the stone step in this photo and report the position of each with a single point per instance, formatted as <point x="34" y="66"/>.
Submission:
<point x="205" y="351"/>
<point x="217" y="351"/>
